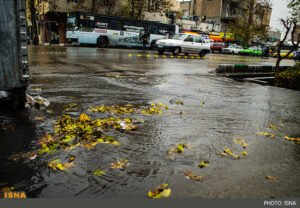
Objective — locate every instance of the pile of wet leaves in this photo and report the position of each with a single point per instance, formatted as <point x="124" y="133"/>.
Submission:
<point x="71" y="132"/>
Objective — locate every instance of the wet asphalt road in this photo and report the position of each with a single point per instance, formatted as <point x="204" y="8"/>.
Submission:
<point x="216" y="110"/>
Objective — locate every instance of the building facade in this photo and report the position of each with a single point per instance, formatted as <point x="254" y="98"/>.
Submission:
<point x="223" y="11"/>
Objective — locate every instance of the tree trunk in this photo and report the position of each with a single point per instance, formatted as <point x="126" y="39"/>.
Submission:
<point x="93" y="6"/>
<point x="250" y="21"/>
<point x="34" y="31"/>
<point x="277" y="64"/>
<point x="132" y="9"/>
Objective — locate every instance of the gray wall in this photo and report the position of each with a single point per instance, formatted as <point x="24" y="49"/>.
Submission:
<point x="10" y="52"/>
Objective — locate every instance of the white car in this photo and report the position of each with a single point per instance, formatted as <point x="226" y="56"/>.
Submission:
<point x="184" y="43"/>
<point x="234" y="49"/>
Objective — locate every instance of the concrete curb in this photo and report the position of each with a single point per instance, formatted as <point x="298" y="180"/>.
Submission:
<point x="244" y="68"/>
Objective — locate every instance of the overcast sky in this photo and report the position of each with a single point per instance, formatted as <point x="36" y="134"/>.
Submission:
<point x="280" y="10"/>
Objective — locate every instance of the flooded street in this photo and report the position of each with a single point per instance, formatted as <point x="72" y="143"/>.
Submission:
<point x="205" y="111"/>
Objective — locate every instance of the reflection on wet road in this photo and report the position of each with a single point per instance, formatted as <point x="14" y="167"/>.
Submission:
<point x="215" y="111"/>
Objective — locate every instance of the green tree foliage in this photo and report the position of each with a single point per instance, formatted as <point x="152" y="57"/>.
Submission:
<point x="136" y="8"/>
<point x="295" y="6"/>
<point x="250" y="24"/>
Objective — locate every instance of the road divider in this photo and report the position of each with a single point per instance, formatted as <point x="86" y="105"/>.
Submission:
<point x="247" y="68"/>
<point x="197" y="57"/>
<point x="163" y="56"/>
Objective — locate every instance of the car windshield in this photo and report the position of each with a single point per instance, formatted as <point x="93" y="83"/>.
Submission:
<point x="179" y="37"/>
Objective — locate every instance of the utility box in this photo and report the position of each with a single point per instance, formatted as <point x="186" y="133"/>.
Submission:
<point x="14" y="72"/>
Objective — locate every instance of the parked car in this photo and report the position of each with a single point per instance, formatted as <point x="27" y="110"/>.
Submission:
<point x="184" y="43"/>
<point x="252" y="51"/>
<point x="297" y="55"/>
<point x="217" y="46"/>
<point x="233" y="49"/>
<point x="284" y="53"/>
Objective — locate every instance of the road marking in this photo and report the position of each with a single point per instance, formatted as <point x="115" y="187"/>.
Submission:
<point x="43" y="52"/>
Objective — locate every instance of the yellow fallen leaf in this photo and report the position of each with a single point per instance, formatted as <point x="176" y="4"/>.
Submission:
<point x="272" y="126"/>
<point x="228" y="152"/>
<point x="297" y="140"/>
<point x="119" y="164"/>
<point x="160" y="192"/>
<point x="244" y="153"/>
<point x="189" y="175"/>
<point x="57" y="165"/>
<point x="271" y="178"/>
<point x="83" y="117"/>
<point x="99" y="172"/>
<point x="266" y="134"/>
<point x="7" y="189"/>
<point x="241" y="142"/>
<point x="203" y="164"/>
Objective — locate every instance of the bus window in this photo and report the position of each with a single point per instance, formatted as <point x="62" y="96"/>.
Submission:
<point x="129" y="26"/>
<point x="71" y="23"/>
<point x="102" y="23"/>
<point x="86" y="23"/>
<point x="163" y="29"/>
<point x="142" y="26"/>
<point x="115" y="24"/>
<point x="153" y="29"/>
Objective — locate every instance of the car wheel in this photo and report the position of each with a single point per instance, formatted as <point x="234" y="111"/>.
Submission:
<point x="176" y="51"/>
<point x="161" y="52"/>
<point x="202" y="54"/>
<point x="232" y="52"/>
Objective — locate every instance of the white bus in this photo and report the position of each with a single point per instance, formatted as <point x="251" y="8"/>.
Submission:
<point x="104" y="31"/>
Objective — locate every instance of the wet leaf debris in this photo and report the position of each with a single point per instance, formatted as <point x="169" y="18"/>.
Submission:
<point x="162" y="191"/>
<point x="228" y="153"/>
<point x="120" y="164"/>
<point x="291" y="139"/>
<point x="241" y="142"/>
<point x="266" y="134"/>
<point x="189" y="175"/>
<point x="99" y="172"/>
<point x="114" y="109"/>
<point x="203" y="164"/>
<point x="179" y="148"/>
<point x="57" y="165"/>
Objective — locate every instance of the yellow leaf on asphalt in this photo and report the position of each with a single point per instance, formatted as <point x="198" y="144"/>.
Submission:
<point x="241" y="142"/>
<point x="271" y="178"/>
<point x="160" y="192"/>
<point x="203" y="164"/>
<point x="189" y="175"/>
<point x="83" y="117"/>
<point x="99" y="172"/>
<point x="120" y="164"/>
<point x="57" y="165"/>
<point x="296" y="140"/>
<point x="244" y="153"/>
<point x="228" y="152"/>
<point x="272" y="126"/>
<point x="266" y="134"/>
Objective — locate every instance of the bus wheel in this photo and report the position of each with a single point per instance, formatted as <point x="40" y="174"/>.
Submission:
<point x="160" y="52"/>
<point x="102" y="42"/>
